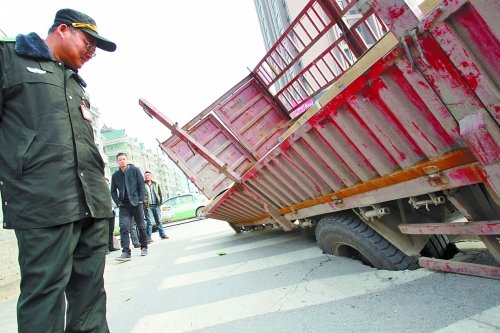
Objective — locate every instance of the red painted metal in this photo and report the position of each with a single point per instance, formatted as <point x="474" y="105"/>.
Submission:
<point x="460" y="267"/>
<point x="396" y="15"/>
<point x="483" y="136"/>
<point x="308" y="41"/>
<point x="214" y="154"/>
<point x="457" y="228"/>
<point x="232" y="208"/>
<point x="207" y="153"/>
<point x="253" y="117"/>
<point x="469" y="38"/>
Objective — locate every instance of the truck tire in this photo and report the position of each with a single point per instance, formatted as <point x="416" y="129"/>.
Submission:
<point x="346" y="235"/>
<point x="439" y="247"/>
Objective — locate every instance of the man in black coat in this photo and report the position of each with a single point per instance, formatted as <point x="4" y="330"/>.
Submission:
<point x="127" y="191"/>
<point x="52" y="176"/>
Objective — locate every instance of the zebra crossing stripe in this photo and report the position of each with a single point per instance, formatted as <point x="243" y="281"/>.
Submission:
<point x="232" y="237"/>
<point x="237" y="248"/>
<point x="286" y="298"/>
<point x="214" y="232"/>
<point x="240" y="268"/>
<point x="194" y="235"/>
<point x="484" y="322"/>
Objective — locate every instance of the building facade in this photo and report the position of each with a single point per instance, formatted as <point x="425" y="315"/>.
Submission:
<point x="96" y="125"/>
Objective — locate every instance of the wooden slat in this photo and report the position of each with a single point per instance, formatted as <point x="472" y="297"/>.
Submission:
<point x="491" y="272"/>
<point x="457" y="228"/>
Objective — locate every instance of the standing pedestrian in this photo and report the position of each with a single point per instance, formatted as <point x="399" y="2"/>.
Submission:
<point x="52" y="176"/>
<point x="152" y="202"/>
<point x="127" y="191"/>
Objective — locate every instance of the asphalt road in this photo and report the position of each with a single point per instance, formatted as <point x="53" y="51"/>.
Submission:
<point x="206" y="278"/>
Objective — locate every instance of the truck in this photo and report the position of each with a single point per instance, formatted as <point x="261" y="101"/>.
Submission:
<point x="371" y="125"/>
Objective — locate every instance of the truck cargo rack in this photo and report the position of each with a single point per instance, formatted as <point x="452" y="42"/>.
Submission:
<point x="401" y="102"/>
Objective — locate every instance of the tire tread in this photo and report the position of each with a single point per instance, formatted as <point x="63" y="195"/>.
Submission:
<point x="397" y="259"/>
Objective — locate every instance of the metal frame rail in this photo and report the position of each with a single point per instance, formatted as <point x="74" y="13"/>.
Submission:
<point x="322" y="25"/>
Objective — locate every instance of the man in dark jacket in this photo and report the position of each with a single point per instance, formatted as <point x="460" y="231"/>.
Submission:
<point x="152" y="206"/>
<point x="52" y="176"/>
<point x="127" y="191"/>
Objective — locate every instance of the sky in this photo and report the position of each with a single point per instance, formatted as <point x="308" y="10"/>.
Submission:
<point x="179" y="55"/>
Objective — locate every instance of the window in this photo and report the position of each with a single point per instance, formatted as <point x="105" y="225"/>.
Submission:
<point x="186" y="199"/>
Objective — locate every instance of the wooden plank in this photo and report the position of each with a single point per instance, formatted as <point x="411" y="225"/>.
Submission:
<point x="465" y="268"/>
<point x="457" y="228"/>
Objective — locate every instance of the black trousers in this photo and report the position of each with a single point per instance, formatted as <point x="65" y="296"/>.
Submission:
<point x="126" y="214"/>
<point x="62" y="263"/>
<point x="111" y="222"/>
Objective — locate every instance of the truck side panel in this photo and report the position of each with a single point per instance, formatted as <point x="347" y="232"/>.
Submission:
<point x="395" y="120"/>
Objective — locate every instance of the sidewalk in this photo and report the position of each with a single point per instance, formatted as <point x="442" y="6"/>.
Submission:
<point x="9" y="270"/>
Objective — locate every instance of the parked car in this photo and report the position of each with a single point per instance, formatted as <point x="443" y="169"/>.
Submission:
<point x="184" y="206"/>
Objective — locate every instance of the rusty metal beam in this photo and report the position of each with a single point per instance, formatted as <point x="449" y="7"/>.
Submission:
<point x="460" y="267"/>
<point x="457" y="228"/>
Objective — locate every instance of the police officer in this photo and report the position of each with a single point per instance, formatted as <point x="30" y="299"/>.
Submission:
<point x="52" y="176"/>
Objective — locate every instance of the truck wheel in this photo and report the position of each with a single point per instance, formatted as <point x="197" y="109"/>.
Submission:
<point x="345" y="235"/>
<point x="439" y="247"/>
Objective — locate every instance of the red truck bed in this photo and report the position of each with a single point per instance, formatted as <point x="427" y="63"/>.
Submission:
<point x="403" y="104"/>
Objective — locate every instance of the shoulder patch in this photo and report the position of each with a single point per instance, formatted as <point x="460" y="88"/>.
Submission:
<point x="4" y="39"/>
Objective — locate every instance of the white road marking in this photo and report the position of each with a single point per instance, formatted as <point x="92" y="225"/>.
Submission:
<point x="284" y="298"/>
<point x="221" y="239"/>
<point x="240" y="268"/>
<point x="237" y="248"/>
<point x="484" y="322"/>
<point x="216" y="228"/>
<point x="215" y="231"/>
